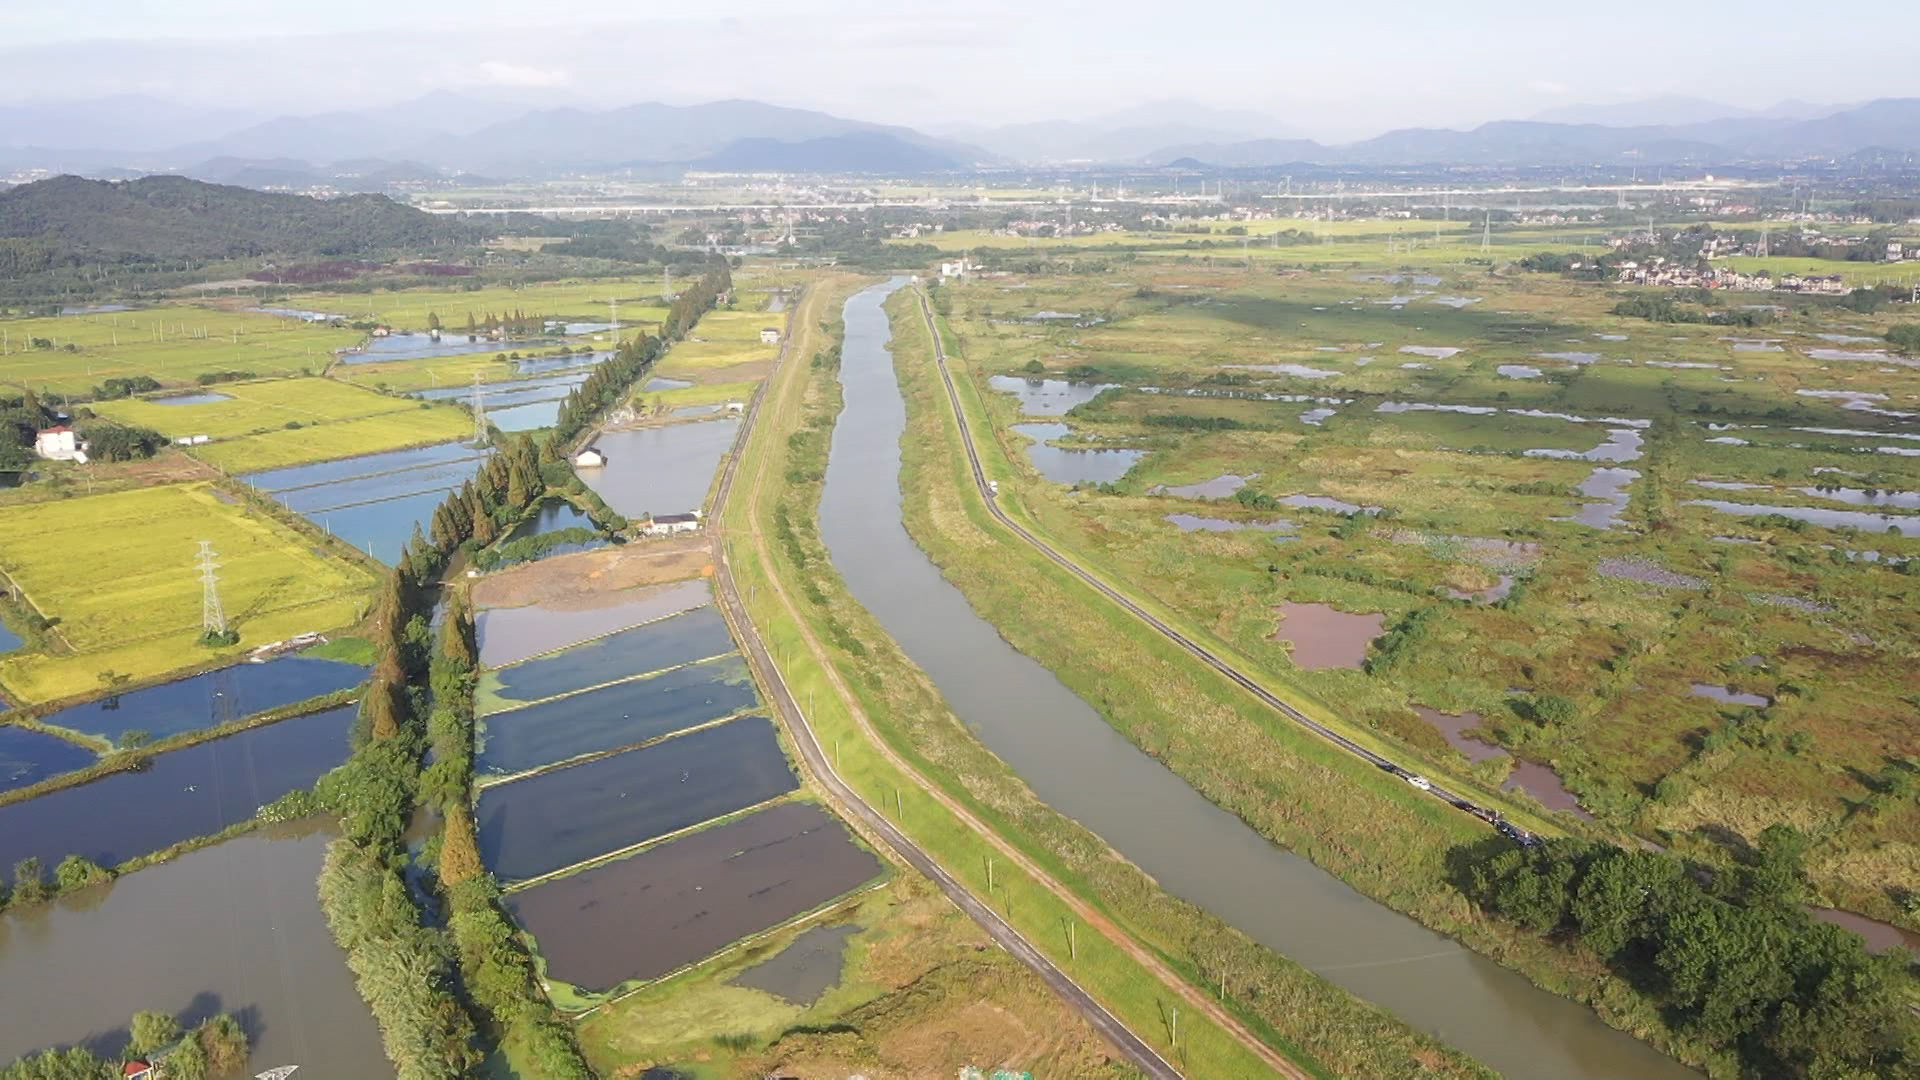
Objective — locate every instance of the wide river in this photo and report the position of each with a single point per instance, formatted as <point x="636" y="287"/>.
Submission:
<point x="1082" y="767"/>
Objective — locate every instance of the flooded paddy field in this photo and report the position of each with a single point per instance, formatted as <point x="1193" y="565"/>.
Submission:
<point x="550" y="821"/>
<point x="235" y="927"/>
<point x="610" y="717"/>
<point x="28" y="757"/>
<point x="508" y="634"/>
<point x="699" y="634"/>
<point x="216" y="697"/>
<point x="180" y="794"/>
<point x="660" y="470"/>
<point x="649" y="914"/>
<point x="373" y="502"/>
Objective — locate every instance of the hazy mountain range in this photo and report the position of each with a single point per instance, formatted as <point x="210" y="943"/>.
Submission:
<point x="446" y="135"/>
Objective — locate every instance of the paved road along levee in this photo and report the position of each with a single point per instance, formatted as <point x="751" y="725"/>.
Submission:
<point x="1204" y="654"/>
<point x="1135" y="1049"/>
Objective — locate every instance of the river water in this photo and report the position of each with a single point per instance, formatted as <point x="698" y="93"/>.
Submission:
<point x="1082" y="767"/>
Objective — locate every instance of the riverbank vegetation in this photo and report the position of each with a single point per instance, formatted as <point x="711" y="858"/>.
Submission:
<point x="1313" y="1023"/>
<point x="1737" y="963"/>
<point x="215" y="1047"/>
<point x="1693" y="676"/>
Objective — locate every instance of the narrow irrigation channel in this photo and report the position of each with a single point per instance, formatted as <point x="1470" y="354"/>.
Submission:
<point x="1080" y="765"/>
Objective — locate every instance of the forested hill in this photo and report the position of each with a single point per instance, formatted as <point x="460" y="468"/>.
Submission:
<point x="171" y="217"/>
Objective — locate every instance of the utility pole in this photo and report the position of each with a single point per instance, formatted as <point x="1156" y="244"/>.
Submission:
<point x="213" y="618"/>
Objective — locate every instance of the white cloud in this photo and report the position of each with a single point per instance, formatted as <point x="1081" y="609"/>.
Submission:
<point x="502" y="73"/>
<point x="1543" y="86"/>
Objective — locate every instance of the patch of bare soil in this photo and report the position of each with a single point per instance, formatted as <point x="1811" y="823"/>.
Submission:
<point x="592" y="579"/>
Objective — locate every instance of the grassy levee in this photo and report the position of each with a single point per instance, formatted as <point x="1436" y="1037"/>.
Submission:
<point x="1373" y="831"/>
<point x="1324" y="1029"/>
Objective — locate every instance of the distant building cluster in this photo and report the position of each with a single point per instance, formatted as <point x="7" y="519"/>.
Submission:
<point x="1660" y="271"/>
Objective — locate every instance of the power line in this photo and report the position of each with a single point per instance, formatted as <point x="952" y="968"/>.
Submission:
<point x="213" y="618"/>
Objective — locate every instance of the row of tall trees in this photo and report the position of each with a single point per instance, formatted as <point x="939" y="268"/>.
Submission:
<point x="497" y="972"/>
<point x="404" y="970"/>
<point x="610" y="381"/>
<point x="1731" y="957"/>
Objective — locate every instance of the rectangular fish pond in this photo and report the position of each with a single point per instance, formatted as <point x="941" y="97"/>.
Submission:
<point x="623" y="714"/>
<point x="209" y="699"/>
<point x="28" y="757"/>
<point x="660" y="470"/>
<point x="373" y="501"/>
<point x="699" y="634"/>
<point x="509" y="634"/>
<point x="194" y="791"/>
<point x="650" y="914"/>
<point x="552" y="820"/>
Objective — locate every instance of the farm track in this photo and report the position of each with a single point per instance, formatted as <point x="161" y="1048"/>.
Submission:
<point x="1142" y="1055"/>
<point x="990" y="497"/>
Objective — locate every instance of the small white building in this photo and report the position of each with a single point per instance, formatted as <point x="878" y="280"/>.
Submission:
<point x="955" y="269"/>
<point x="734" y="408"/>
<point x="769" y="336"/>
<point x="589" y="458"/>
<point x="668" y="524"/>
<point x="60" y="443"/>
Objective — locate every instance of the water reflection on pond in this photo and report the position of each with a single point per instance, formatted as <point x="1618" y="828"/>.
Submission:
<point x="1047" y="397"/>
<point x="1065" y="465"/>
<point x="235" y="927"/>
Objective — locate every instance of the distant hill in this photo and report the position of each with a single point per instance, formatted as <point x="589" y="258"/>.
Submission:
<point x="1128" y="135"/>
<point x="175" y="217"/>
<point x="653" y="132"/>
<point x="1888" y="125"/>
<point x="860" y="152"/>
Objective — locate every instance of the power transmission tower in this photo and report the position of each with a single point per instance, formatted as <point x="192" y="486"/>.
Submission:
<point x="479" y="412"/>
<point x="667" y="289"/>
<point x="613" y="312"/>
<point x="1486" y="234"/>
<point x="213" y="619"/>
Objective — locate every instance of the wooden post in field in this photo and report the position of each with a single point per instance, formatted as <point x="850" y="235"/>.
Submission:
<point x="1073" y="953"/>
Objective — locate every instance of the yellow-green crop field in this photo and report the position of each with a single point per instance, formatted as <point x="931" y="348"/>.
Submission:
<point x="133" y="608"/>
<point x="173" y="344"/>
<point x="723" y="339"/>
<point x="407" y="309"/>
<point x="1856" y="273"/>
<point x="417" y="425"/>
<point x="255" y="407"/>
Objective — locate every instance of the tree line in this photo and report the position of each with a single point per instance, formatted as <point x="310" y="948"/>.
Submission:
<point x="610" y="381"/>
<point x="215" y="1047"/>
<point x="1730" y="957"/>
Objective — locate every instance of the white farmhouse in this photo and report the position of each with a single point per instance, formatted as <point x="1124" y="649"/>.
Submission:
<point x="60" y="443"/>
<point x="668" y="524"/>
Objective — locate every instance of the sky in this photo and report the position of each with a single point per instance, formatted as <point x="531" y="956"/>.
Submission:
<point x="1330" y="71"/>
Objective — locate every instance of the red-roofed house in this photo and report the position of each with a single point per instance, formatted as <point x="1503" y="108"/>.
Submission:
<point x="136" y="1070"/>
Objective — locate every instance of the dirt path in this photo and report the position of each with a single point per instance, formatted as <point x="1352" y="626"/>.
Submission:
<point x="1196" y="999"/>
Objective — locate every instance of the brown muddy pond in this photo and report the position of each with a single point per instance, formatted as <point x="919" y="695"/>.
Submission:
<point x="1881" y="937"/>
<point x="1323" y="636"/>
<point x="235" y="927"/>
<point x="651" y="914"/>
<point x="1454" y="727"/>
<point x="1541" y="782"/>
